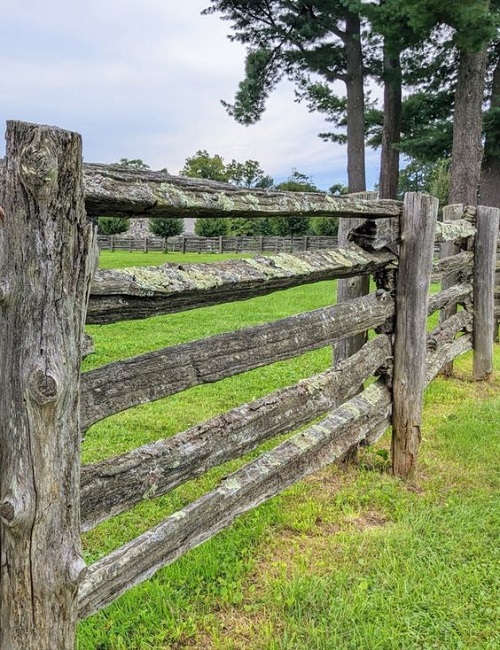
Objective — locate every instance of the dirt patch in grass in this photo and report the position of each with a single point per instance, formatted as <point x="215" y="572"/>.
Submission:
<point x="289" y="554"/>
<point x="369" y="520"/>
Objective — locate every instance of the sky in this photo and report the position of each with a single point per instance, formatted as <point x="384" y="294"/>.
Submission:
<point x="144" y="79"/>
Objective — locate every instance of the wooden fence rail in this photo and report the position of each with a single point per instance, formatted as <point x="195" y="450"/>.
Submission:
<point x="49" y="288"/>
<point x="147" y="291"/>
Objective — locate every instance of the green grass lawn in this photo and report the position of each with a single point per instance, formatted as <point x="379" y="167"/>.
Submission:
<point x="121" y="259"/>
<point x="350" y="558"/>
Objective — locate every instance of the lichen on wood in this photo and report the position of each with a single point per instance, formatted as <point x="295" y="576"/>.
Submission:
<point x="272" y="472"/>
<point x="460" y="266"/>
<point x="147" y="377"/>
<point x="125" y="192"/>
<point x="115" y="485"/>
<point x="145" y="291"/>
<point x="453" y="230"/>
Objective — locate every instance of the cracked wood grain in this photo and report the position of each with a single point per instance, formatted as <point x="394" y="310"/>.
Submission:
<point x="148" y="377"/>
<point x="46" y="261"/>
<point x="150" y="291"/>
<point x="116" y="484"/>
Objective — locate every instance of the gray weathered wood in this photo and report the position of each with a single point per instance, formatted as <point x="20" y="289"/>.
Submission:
<point x="121" y="191"/>
<point x="453" y="213"/>
<point x="376" y="235"/>
<point x="456" y="267"/>
<point x="460" y="294"/>
<point x="251" y="485"/>
<point x="46" y="259"/>
<point x="487" y="220"/>
<point x="147" y="291"/>
<point x="444" y="354"/>
<point x="448" y="329"/>
<point x="384" y="233"/>
<point x="123" y="384"/>
<point x="87" y="345"/>
<point x="453" y="230"/>
<point x="118" y="191"/>
<point x="115" y="485"/>
<point x="349" y="289"/>
<point x="418" y="223"/>
<point x="363" y="419"/>
<point x="354" y="287"/>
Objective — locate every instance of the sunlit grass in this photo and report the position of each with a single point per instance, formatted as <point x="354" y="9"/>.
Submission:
<point x="121" y="259"/>
<point x="348" y="559"/>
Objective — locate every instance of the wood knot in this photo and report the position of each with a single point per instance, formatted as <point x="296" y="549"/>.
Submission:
<point x="77" y="570"/>
<point x="7" y="512"/>
<point x="382" y="295"/>
<point x="4" y="292"/>
<point x="2" y="216"/>
<point x="43" y="387"/>
<point x="38" y="168"/>
<point x="15" y="511"/>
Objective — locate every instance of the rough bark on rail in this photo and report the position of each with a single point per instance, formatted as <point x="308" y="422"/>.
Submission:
<point x="460" y="264"/>
<point x="384" y="233"/>
<point x="123" y="384"/>
<point x="149" y="291"/>
<point x="120" y="191"/>
<point x="452" y="230"/>
<point x="448" y="329"/>
<point x="460" y="294"/>
<point x="256" y="482"/>
<point x="114" y="190"/>
<point x="362" y="419"/>
<point x="115" y="485"/>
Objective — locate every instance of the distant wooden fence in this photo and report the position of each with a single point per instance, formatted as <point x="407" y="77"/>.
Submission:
<point x="49" y="288"/>
<point x="240" y="244"/>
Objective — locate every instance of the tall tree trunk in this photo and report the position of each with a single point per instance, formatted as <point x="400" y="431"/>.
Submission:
<point x="391" y="135"/>
<point x="358" y="286"/>
<point x="489" y="190"/>
<point x="467" y="128"/>
<point x="355" y="105"/>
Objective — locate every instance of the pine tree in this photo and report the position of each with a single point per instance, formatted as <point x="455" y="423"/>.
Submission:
<point x="112" y="225"/>
<point x="301" y="41"/>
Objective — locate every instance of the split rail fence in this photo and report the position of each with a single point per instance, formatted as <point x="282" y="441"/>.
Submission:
<point x="241" y="244"/>
<point x="49" y="288"/>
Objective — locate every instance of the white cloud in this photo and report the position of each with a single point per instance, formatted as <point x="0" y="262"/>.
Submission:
<point x="144" y="80"/>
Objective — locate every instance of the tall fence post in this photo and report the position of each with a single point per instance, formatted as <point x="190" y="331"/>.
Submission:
<point x="418" y="224"/>
<point x="350" y="288"/>
<point x="484" y="290"/>
<point x="47" y="257"/>
<point x="447" y="249"/>
<point x="497" y="295"/>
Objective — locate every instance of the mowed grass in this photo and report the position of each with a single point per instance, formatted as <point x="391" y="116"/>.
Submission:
<point x="349" y="558"/>
<point x="122" y="259"/>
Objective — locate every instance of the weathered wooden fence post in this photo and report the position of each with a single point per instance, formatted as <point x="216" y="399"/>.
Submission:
<point x="47" y="255"/>
<point x="418" y="224"/>
<point x="484" y="290"/>
<point x="350" y="288"/>
<point x="497" y="295"/>
<point x="447" y="249"/>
